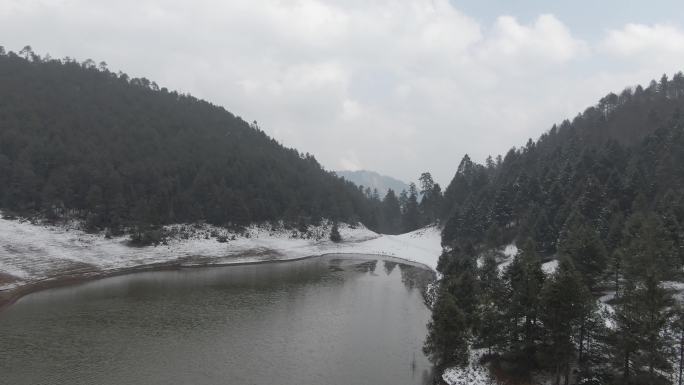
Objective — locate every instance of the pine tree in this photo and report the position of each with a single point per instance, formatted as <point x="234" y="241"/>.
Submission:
<point x="447" y="340"/>
<point x="582" y="244"/>
<point x="624" y="338"/>
<point x="655" y="301"/>
<point x="464" y="286"/>
<point x="391" y="214"/>
<point x="639" y="342"/>
<point x="335" y="233"/>
<point x="490" y="328"/>
<point x="431" y="201"/>
<point x="525" y="279"/>
<point x="648" y="248"/>
<point x="678" y="328"/>
<point x="565" y="303"/>
<point x="411" y="218"/>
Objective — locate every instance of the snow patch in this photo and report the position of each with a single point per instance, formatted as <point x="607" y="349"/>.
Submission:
<point x="511" y="250"/>
<point x="30" y="252"/>
<point x="550" y="267"/>
<point x="472" y="374"/>
<point x="677" y="287"/>
<point x="607" y="309"/>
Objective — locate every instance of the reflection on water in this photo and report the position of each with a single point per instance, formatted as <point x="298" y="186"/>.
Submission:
<point x="331" y="320"/>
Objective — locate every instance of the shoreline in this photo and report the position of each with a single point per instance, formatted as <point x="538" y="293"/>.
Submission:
<point x="11" y="296"/>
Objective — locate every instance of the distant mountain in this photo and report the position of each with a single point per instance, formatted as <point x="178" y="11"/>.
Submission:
<point x="374" y="180"/>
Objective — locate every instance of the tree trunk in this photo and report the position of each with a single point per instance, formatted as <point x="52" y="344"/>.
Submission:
<point x="652" y="349"/>
<point x="625" y="372"/>
<point x="580" y="356"/>
<point x="681" y="355"/>
<point x="567" y="373"/>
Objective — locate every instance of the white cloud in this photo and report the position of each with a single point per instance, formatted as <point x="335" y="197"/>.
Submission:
<point x="350" y="161"/>
<point x="546" y="39"/>
<point x="637" y="39"/>
<point x="638" y="53"/>
<point x="400" y="87"/>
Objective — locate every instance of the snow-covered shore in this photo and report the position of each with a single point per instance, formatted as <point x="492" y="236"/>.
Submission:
<point x="31" y="253"/>
<point x="472" y="374"/>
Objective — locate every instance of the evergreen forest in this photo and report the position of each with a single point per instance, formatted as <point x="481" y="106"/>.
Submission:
<point x="80" y="141"/>
<point x="595" y="208"/>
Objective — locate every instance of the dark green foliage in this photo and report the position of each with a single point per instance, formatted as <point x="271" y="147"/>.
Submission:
<point x="648" y="248"/>
<point x="82" y="141"/>
<point x="582" y="244"/>
<point x="490" y="308"/>
<point x="464" y="288"/>
<point x="404" y="213"/>
<point x="390" y="222"/>
<point x="615" y="159"/>
<point x="431" y="203"/>
<point x="335" y="233"/>
<point x="639" y="342"/>
<point x="524" y="278"/>
<point x="603" y="194"/>
<point x="565" y="303"/>
<point x="447" y="338"/>
<point x="678" y="328"/>
<point x="145" y="235"/>
<point x="411" y="219"/>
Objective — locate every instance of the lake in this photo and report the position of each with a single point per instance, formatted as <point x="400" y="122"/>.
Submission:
<point x="337" y="320"/>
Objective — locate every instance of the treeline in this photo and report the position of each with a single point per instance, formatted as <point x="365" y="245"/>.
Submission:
<point x="77" y="140"/>
<point x="604" y="196"/>
<point x="396" y="214"/>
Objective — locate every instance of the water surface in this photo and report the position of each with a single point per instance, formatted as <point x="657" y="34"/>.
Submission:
<point x="337" y="320"/>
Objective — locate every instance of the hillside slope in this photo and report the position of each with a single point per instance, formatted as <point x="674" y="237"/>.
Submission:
<point x="79" y="140"/>
<point x="590" y="294"/>
<point x="624" y="155"/>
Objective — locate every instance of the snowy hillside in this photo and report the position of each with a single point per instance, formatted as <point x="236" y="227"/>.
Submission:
<point x="32" y="253"/>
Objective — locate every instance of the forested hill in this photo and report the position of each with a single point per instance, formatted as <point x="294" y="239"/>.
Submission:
<point x="78" y="139"/>
<point x="603" y="197"/>
<point x="624" y="155"/>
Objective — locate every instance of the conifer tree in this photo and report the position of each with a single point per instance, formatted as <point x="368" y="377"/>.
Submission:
<point x="490" y="328"/>
<point x="464" y="287"/>
<point x="565" y="303"/>
<point x="639" y="342"/>
<point x="648" y="248"/>
<point x="431" y="201"/>
<point x="411" y="218"/>
<point x="678" y="328"/>
<point x="524" y="278"/>
<point x="335" y="233"/>
<point x="391" y="214"/>
<point x="582" y="244"/>
<point x="447" y="341"/>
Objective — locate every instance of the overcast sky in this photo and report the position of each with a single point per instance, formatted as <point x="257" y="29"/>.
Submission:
<point x="398" y="87"/>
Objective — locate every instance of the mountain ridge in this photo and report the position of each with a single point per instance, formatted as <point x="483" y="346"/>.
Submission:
<point x="79" y="140"/>
<point x="374" y="180"/>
